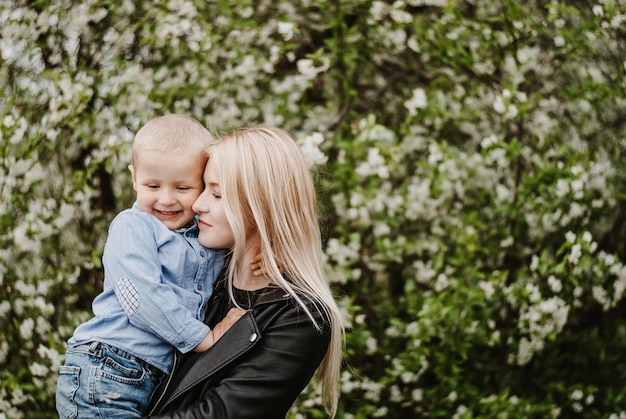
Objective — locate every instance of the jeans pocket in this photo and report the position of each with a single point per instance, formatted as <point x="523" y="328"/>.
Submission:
<point x="122" y="384"/>
<point x="122" y="370"/>
<point x="67" y="386"/>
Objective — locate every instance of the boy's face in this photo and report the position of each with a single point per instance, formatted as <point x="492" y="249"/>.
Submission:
<point x="167" y="185"/>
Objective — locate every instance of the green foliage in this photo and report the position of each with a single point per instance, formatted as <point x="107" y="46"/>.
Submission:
<point x="469" y="160"/>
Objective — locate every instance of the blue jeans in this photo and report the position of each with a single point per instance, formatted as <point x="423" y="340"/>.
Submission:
<point x="100" y="381"/>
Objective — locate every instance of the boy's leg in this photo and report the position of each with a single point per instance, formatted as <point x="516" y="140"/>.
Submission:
<point x="100" y="381"/>
<point x="73" y="394"/>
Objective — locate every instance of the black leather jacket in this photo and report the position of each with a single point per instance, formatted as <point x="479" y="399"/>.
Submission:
<point x="256" y="370"/>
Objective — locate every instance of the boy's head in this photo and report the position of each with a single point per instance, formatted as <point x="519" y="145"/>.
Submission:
<point x="169" y="156"/>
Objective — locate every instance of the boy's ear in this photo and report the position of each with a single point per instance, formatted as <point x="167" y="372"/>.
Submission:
<point x="131" y="168"/>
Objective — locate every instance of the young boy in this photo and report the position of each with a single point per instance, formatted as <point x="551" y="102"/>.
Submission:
<point x="158" y="279"/>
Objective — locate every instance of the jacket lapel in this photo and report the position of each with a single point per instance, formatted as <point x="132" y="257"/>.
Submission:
<point x="195" y="367"/>
<point x="239" y="339"/>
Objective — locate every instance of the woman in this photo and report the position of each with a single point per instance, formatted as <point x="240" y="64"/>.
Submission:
<point x="259" y="198"/>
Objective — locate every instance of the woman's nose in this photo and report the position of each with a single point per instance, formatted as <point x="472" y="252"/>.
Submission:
<point x="200" y="204"/>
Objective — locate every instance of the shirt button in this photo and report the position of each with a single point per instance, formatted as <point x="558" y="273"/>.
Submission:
<point x="253" y="337"/>
<point x="200" y="287"/>
<point x="201" y="254"/>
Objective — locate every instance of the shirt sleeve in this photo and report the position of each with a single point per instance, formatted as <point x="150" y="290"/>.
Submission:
<point x="133" y="269"/>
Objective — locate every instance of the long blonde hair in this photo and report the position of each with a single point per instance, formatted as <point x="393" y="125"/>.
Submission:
<point x="267" y="188"/>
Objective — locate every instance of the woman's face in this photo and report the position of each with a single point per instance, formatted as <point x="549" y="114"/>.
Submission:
<point x="215" y="231"/>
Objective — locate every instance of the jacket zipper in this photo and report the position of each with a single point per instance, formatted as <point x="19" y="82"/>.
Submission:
<point x="166" y="384"/>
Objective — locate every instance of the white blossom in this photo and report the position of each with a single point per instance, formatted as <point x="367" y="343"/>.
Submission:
<point x="307" y="68"/>
<point x="601" y="296"/>
<point x="310" y="148"/>
<point x="286" y="30"/>
<point x="417" y="101"/>
<point x="436" y="3"/>
<point x="559" y="41"/>
<point x="555" y="284"/>
<point x="38" y="370"/>
<point x="570" y="237"/>
<point x="575" y="254"/>
<point x="434" y="154"/>
<point x="499" y="105"/>
<point x="417" y="394"/>
<point x="27" y="328"/>
<point x="374" y="166"/>
<point x="534" y="263"/>
<point x="400" y="16"/>
<point x="489" y="141"/>
<point x="487" y="288"/>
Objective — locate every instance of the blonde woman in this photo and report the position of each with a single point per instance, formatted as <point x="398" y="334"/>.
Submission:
<point x="259" y="198"/>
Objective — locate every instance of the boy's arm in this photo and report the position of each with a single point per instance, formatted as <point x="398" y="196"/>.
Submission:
<point x="134" y="271"/>
<point x="256" y="265"/>
<point x="218" y="331"/>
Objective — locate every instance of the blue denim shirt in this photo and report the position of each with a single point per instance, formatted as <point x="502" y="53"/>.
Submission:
<point x="156" y="286"/>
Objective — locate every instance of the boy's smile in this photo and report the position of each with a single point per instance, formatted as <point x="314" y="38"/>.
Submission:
<point x="167" y="185"/>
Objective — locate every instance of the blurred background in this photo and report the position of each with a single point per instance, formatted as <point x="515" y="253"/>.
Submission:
<point x="469" y="157"/>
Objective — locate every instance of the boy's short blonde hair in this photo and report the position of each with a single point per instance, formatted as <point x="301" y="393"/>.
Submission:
<point x="173" y="133"/>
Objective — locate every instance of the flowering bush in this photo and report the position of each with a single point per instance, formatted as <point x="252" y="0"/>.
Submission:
<point x="469" y="157"/>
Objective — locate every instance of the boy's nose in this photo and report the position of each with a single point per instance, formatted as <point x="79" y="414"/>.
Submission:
<point x="167" y="198"/>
